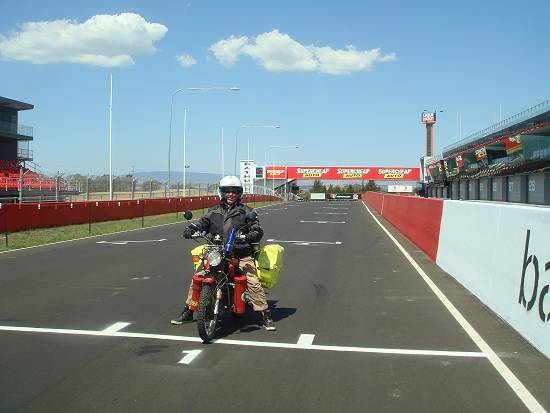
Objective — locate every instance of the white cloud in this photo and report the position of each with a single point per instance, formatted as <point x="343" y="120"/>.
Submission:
<point x="186" y="60"/>
<point x="227" y="51"/>
<point x="102" y="40"/>
<point x="343" y="62"/>
<point x="276" y="51"/>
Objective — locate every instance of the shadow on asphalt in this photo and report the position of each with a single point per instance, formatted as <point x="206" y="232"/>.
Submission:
<point x="251" y="321"/>
<point x="151" y="349"/>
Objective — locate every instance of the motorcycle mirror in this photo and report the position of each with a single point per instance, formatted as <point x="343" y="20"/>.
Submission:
<point x="252" y="216"/>
<point x="188" y="215"/>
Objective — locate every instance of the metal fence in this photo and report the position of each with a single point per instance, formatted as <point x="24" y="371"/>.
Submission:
<point x="512" y="120"/>
<point x="77" y="191"/>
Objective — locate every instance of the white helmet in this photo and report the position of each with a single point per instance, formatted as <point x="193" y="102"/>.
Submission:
<point x="230" y="182"/>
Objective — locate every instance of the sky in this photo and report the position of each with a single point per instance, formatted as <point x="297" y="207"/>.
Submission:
<point x="345" y="81"/>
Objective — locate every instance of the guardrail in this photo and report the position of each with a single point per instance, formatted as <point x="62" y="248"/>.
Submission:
<point x="28" y="184"/>
<point x="517" y="118"/>
<point x="16" y="129"/>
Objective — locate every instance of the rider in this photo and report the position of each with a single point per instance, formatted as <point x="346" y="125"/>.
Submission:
<point x="230" y="213"/>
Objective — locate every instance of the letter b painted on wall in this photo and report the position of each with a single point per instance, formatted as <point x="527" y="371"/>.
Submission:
<point x="533" y="261"/>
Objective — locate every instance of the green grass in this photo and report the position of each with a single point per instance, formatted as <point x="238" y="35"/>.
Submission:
<point x="34" y="237"/>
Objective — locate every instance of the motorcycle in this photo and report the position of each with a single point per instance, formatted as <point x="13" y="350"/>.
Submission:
<point x="218" y="288"/>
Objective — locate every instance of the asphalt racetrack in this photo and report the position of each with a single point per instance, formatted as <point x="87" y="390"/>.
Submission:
<point x="85" y="327"/>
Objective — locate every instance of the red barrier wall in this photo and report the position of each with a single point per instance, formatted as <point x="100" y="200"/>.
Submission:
<point x="374" y="199"/>
<point x="17" y="217"/>
<point x="418" y="219"/>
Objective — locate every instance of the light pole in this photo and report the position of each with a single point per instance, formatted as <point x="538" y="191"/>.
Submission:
<point x="171" y="112"/>
<point x="237" y="135"/>
<point x="273" y="165"/>
<point x="111" y="139"/>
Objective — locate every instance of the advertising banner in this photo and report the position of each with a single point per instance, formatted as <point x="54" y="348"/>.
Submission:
<point x="342" y="173"/>
<point x="345" y="196"/>
<point x="260" y="172"/>
<point x="275" y="172"/>
<point x="400" y="189"/>
<point x="460" y="162"/>
<point x="513" y="144"/>
<point x="481" y="153"/>
<point x="428" y="118"/>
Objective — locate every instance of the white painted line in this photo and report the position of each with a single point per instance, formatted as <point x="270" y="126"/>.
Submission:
<point x="306" y="242"/>
<point x="265" y="344"/>
<point x="305" y="340"/>
<point x="191" y="354"/>
<point x="517" y="386"/>
<point x="347" y="209"/>
<point x="325" y="222"/>
<point x="128" y="242"/>
<point x="331" y="213"/>
<point x="116" y="327"/>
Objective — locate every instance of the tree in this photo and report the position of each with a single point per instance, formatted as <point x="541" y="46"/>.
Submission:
<point x="371" y="186"/>
<point x="318" y="186"/>
<point x="152" y="184"/>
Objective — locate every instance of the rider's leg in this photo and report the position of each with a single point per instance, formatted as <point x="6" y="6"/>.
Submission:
<point x="186" y="314"/>
<point x="255" y="291"/>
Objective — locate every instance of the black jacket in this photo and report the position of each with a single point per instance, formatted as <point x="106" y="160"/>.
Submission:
<point x="221" y="219"/>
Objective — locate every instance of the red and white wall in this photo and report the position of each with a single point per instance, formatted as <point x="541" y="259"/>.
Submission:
<point x="500" y="252"/>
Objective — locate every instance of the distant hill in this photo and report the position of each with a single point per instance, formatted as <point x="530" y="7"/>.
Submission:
<point x="177" y="176"/>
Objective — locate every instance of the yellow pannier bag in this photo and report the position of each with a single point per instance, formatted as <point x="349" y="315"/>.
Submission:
<point x="269" y="262"/>
<point x="197" y="252"/>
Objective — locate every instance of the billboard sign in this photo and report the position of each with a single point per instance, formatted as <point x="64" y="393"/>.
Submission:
<point x="260" y="172"/>
<point x="428" y="118"/>
<point x="513" y="144"/>
<point x="275" y="172"/>
<point x="400" y="189"/>
<point x="247" y="168"/>
<point x="460" y="161"/>
<point x="342" y="173"/>
<point x="353" y="197"/>
<point x="481" y="153"/>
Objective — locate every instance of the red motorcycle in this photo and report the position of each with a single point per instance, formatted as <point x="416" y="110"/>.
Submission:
<point x="218" y="288"/>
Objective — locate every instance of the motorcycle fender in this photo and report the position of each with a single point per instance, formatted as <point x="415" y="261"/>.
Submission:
<point x="210" y="281"/>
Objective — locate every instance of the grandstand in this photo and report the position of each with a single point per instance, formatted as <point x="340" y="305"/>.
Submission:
<point x="508" y="161"/>
<point x="16" y="178"/>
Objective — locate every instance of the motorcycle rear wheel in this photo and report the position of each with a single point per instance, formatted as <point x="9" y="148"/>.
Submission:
<point x="206" y="319"/>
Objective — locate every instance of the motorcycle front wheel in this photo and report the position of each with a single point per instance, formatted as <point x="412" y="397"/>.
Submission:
<point x="206" y="319"/>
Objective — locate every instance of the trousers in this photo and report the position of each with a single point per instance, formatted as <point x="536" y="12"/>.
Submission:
<point x="255" y="290"/>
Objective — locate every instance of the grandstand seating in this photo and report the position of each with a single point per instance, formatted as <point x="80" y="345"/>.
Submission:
<point x="9" y="177"/>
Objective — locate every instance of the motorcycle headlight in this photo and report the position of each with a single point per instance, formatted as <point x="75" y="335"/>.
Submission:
<point x="214" y="258"/>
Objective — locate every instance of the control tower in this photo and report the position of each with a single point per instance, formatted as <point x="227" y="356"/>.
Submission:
<point x="428" y="118"/>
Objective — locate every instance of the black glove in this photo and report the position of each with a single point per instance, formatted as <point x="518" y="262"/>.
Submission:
<point x="187" y="232"/>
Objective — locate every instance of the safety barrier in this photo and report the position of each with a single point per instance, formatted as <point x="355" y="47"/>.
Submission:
<point x="17" y="217"/>
<point x="497" y="251"/>
<point x="418" y="219"/>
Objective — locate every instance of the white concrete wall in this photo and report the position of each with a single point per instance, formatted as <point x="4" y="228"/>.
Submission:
<point x="483" y="246"/>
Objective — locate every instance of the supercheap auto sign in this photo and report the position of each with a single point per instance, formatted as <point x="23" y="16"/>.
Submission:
<point x="343" y="173"/>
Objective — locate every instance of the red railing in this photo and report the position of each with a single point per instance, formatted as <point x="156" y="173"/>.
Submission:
<point x="17" y="217"/>
<point x="12" y="182"/>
